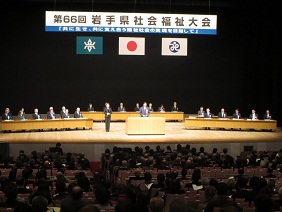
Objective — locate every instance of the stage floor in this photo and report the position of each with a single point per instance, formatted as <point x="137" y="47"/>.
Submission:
<point x="175" y="133"/>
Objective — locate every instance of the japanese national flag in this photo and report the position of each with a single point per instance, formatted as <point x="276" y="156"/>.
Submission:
<point x="131" y="46"/>
<point x="174" y="46"/>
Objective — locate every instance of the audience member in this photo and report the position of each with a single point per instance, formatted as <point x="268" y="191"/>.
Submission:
<point x="74" y="202"/>
<point x="222" y="200"/>
<point x="157" y="204"/>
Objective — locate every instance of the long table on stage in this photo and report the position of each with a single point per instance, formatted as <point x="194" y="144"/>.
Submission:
<point x="47" y="124"/>
<point x="231" y="123"/>
<point x="122" y="116"/>
<point x="145" y="125"/>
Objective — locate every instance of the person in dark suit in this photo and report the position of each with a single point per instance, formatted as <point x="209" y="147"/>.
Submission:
<point x="144" y="111"/>
<point x="62" y="111"/>
<point x="22" y="109"/>
<point x="51" y="114"/>
<point x="108" y="112"/>
<point x="121" y="108"/>
<point x="201" y="112"/>
<point x="36" y="115"/>
<point x="174" y="108"/>
<point x="267" y="115"/>
<point x="21" y="115"/>
<point x="253" y="115"/>
<point x="137" y="108"/>
<point x="161" y="108"/>
<point x="222" y="200"/>
<point x="58" y="148"/>
<point x="237" y="115"/>
<point x="137" y="176"/>
<point x="208" y="114"/>
<point x="77" y="113"/>
<point x="90" y="108"/>
<point x="66" y="114"/>
<point x="74" y="202"/>
<point x="151" y="107"/>
<point x="7" y="115"/>
<point x="222" y="114"/>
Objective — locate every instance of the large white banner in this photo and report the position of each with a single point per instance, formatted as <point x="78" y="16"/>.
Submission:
<point x="64" y="21"/>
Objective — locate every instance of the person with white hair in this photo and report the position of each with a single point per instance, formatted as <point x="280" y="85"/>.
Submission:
<point x="77" y="113"/>
<point x="51" y="114"/>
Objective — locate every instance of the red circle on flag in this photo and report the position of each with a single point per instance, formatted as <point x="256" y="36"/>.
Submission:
<point x="131" y="46"/>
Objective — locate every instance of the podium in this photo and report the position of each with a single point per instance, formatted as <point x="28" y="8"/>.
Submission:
<point x="145" y="125"/>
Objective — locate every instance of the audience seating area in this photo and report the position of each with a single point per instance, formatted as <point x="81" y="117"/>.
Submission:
<point x="152" y="179"/>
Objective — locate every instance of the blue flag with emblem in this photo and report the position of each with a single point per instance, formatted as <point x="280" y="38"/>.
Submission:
<point x="89" y="45"/>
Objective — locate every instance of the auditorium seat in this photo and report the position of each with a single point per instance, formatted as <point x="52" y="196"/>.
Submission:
<point x="6" y="209"/>
<point x="260" y="172"/>
<point x="249" y="209"/>
<point x="209" y="173"/>
<point x="124" y="174"/>
<point x="222" y="174"/>
<point x="249" y="172"/>
<point x="191" y="198"/>
<point x="139" y="183"/>
<point x="25" y="197"/>
<point x="88" y="198"/>
<point x="201" y="206"/>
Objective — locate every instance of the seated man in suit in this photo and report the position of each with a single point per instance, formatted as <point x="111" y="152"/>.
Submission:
<point x="253" y="115"/>
<point x="51" y="114"/>
<point x="161" y="108"/>
<point x="77" y="113"/>
<point x="236" y="115"/>
<point x="267" y="115"/>
<point x="90" y="108"/>
<point x="62" y="111"/>
<point x="222" y="199"/>
<point x="66" y="114"/>
<point x="222" y="114"/>
<point x="174" y="107"/>
<point x="208" y="114"/>
<point x="151" y="107"/>
<point x="137" y="108"/>
<point x="21" y="115"/>
<point x="22" y="109"/>
<point x="201" y="112"/>
<point x="144" y="111"/>
<point x="121" y="108"/>
<point x="7" y="115"/>
<point x="36" y="115"/>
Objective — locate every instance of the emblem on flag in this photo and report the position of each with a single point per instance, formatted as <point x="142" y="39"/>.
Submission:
<point x="89" y="45"/>
<point x="174" y="46"/>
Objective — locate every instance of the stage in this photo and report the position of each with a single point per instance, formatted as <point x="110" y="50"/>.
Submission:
<point x="94" y="142"/>
<point x="175" y="132"/>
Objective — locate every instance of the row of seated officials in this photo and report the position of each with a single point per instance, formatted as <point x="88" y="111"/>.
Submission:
<point x="64" y="113"/>
<point x="235" y="115"/>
